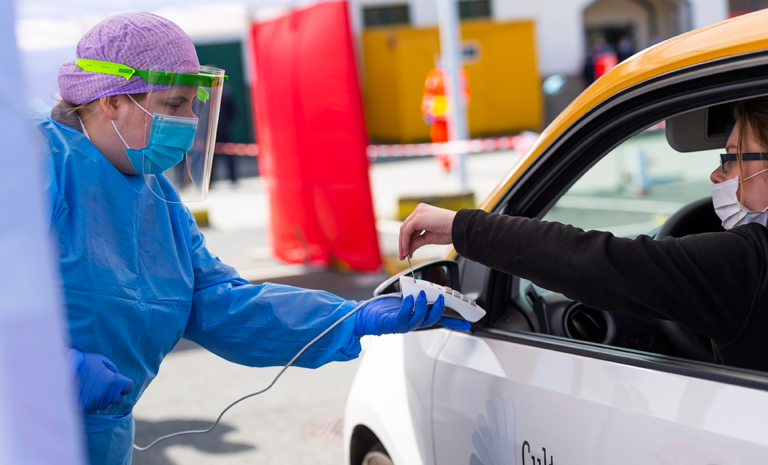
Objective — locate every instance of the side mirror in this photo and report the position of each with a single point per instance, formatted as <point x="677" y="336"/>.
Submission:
<point x="443" y="272"/>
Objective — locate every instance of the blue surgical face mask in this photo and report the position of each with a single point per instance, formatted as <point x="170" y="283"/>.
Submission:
<point x="170" y="137"/>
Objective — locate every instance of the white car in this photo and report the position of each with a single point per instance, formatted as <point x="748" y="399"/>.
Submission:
<point x="546" y="380"/>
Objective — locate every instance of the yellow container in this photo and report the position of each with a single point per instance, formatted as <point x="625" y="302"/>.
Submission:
<point x="455" y="202"/>
<point x="505" y="90"/>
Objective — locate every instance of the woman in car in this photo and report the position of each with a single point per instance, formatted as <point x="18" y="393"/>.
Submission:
<point x="713" y="283"/>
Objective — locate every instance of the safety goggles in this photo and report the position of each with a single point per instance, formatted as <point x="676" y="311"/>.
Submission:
<point x="751" y="156"/>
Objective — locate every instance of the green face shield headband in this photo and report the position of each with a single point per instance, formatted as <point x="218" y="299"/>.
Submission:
<point x="201" y="80"/>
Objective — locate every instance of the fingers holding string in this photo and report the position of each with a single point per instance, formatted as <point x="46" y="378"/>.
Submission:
<point x="407" y="231"/>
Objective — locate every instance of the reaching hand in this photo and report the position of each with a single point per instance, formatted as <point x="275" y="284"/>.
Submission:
<point x="396" y="315"/>
<point x="97" y="382"/>
<point x="426" y="225"/>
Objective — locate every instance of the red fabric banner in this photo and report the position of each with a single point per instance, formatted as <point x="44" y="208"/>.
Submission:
<point x="312" y="140"/>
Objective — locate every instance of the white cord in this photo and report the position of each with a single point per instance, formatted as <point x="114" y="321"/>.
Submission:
<point x="203" y="431"/>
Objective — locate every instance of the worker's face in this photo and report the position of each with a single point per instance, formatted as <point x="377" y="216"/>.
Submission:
<point x="176" y="101"/>
<point x="135" y="124"/>
<point x="756" y="189"/>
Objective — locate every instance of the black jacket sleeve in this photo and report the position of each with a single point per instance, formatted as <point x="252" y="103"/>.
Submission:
<point x="705" y="282"/>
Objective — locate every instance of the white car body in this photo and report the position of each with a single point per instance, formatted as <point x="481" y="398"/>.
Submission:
<point x="494" y="402"/>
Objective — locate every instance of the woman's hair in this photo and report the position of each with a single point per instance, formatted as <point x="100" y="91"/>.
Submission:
<point x="753" y="114"/>
<point x="85" y="110"/>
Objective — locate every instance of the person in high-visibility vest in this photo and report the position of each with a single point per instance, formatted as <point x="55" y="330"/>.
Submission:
<point x="434" y="108"/>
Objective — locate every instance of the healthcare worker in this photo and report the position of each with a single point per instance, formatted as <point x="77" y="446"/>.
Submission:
<point x="135" y="271"/>
<point x="713" y="283"/>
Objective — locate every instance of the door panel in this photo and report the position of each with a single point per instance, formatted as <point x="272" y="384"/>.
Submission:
<point x="502" y="403"/>
<point x="420" y="350"/>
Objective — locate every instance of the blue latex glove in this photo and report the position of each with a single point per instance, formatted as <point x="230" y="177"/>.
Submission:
<point x="97" y="382"/>
<point x="398" y="315"/>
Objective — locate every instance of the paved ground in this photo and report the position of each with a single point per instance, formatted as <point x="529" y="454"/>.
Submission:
<point x="298" y="421"/>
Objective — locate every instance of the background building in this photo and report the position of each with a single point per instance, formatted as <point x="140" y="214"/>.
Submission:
<point x="561" y="38"/>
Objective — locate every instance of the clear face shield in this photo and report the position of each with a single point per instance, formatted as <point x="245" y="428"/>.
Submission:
<point x="181" y="115"/>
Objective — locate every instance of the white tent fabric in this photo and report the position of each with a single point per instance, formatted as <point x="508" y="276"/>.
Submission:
<point x="37" y="419"/>
<point x="68" y="9"/>
<point x="48" y="30"/>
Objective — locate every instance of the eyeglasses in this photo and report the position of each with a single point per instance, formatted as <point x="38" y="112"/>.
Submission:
<point x="753" y="156"/>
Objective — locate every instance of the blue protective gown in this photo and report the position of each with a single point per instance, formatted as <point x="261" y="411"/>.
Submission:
<point x="137" y="277"/>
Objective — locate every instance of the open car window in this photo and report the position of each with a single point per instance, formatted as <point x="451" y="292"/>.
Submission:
<point x="634" y="188"/>
<point x="608" y="170"/>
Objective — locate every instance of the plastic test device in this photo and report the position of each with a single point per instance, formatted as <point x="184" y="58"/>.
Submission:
<point x="456" y="305"/>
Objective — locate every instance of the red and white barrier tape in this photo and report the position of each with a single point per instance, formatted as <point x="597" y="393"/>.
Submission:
<point x="519" y="143"/>
<point x="230" y="148"/>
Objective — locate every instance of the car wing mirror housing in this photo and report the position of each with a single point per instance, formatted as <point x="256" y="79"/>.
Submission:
<point x="443" y="272"/>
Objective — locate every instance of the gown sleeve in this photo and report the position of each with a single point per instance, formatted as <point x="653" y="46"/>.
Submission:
<point x="266" y="324"/>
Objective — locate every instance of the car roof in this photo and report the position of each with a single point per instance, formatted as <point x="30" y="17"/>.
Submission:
<point x="742" y="34"/>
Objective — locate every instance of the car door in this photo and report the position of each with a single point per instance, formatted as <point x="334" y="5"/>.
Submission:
<point x="546" y="380"/>
<point x="502" y="402"/>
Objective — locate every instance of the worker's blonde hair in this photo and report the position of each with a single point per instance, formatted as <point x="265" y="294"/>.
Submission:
<point x="86" y="110"/>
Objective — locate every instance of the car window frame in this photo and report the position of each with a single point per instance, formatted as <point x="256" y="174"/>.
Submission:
<point x="581" y="146"/>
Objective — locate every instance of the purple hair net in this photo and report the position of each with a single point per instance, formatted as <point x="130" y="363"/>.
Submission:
<point x="138" y="40"/>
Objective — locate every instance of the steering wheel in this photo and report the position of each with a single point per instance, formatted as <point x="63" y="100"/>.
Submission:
<point x="696" y="217"/>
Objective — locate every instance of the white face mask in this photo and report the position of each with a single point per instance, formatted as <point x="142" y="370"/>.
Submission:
<point x="728" y="207"/>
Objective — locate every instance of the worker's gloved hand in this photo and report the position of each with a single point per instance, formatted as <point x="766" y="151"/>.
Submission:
<point x="397" y="315"/>
<point x="97" y="383"/>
